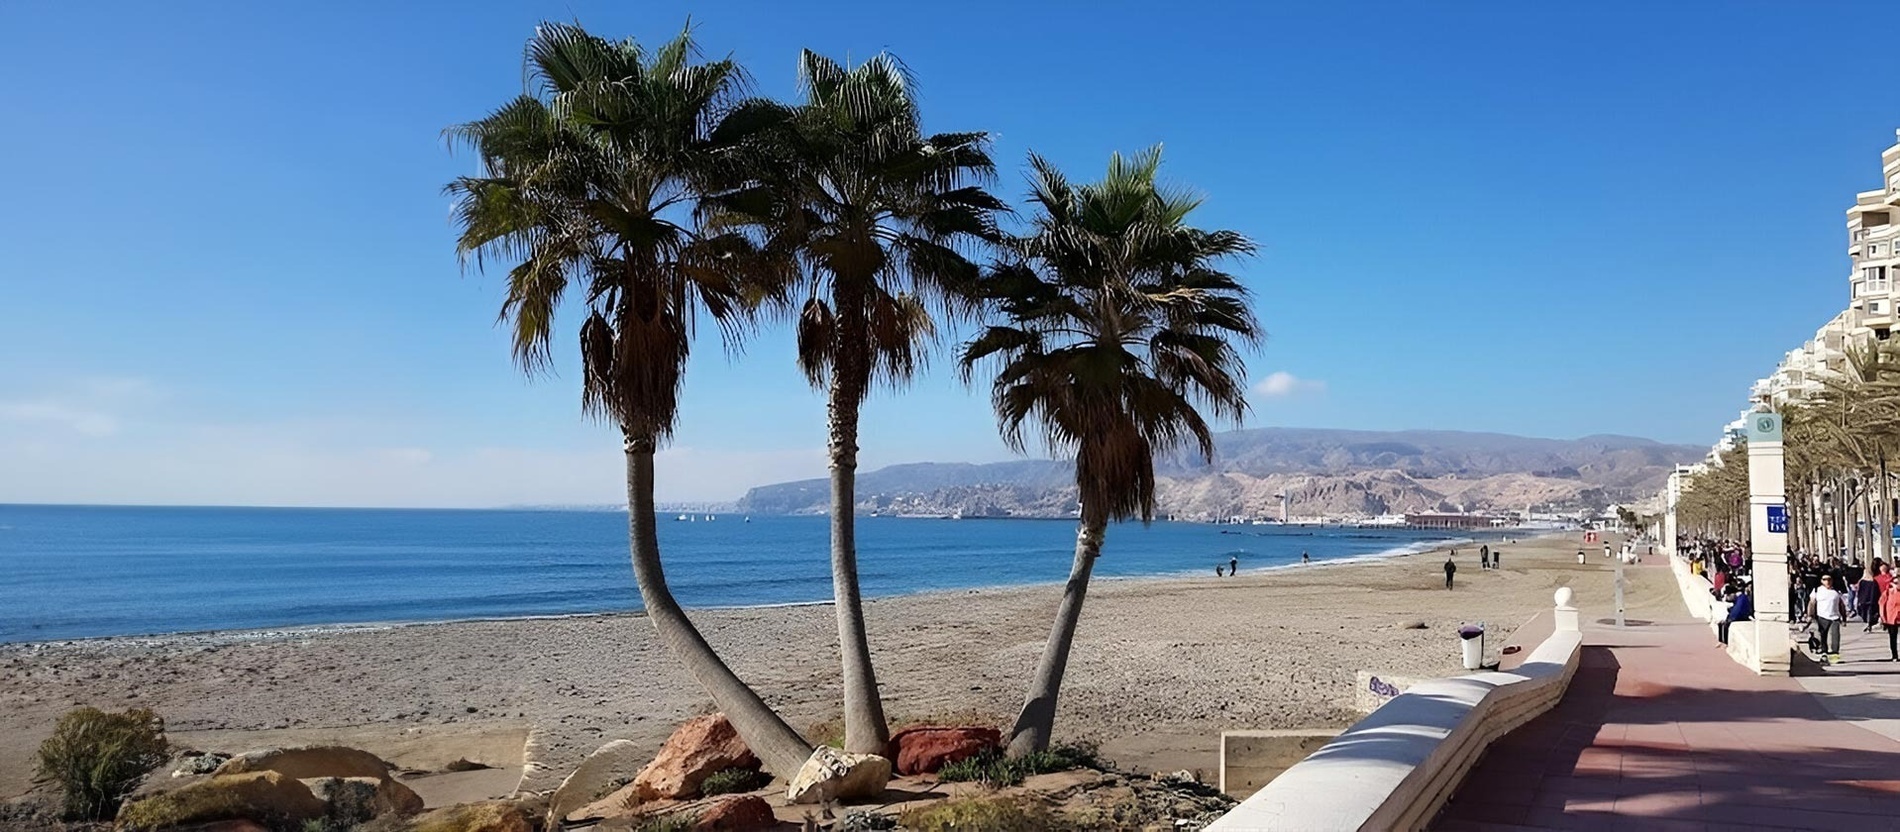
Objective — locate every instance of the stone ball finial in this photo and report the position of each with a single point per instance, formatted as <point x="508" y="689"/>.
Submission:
<point x="1563" y="596"/>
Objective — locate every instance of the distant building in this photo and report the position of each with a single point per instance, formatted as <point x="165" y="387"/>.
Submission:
<point x="1454" y="521"/>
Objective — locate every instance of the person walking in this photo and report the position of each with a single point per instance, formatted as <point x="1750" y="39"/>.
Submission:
<point x="1867" y="600"/>
<point x="1484" y="556"/>
<point x="1233" y="565"/>
<point x="1497" y="560"/>
<point x="1827" y="607"/>
<point x="1450" y="570"/>
<point x="1890" y="619"/>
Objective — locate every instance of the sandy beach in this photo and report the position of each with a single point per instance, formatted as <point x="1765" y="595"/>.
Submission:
<point x="1160" y="667"/>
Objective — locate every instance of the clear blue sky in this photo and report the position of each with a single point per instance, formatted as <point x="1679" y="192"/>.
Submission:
<point x="226" y="270"/>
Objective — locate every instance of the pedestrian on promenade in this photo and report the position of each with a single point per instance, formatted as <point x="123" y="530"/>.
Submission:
<point x="1867" y="600"/>
<point x="1450" y="569"/>
<point x="1741" y="607"/>
<point x="1890" y="619"/>
<point x="1827" y="607"/>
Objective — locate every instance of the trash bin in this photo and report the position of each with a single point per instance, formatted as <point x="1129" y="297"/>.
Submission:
<point x="1472" y="638"/>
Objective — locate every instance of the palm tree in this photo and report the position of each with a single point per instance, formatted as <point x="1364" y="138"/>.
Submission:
<point x="1118" y="325"/>
<point x="875" y="212"/>
<point x="588" y="180"/>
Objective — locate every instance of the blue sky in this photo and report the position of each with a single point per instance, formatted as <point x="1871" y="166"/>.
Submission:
<point x="226" y="268"/>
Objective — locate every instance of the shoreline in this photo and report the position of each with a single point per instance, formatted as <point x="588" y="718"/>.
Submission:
<point x="1160" y="666"/>
<point x="267" y="634"/>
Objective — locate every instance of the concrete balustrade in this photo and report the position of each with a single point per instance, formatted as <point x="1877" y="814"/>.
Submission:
<point x="1698" y="594"/>
<point x="1396" y="768"/>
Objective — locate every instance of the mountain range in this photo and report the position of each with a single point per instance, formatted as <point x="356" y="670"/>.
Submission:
<point x="1330" y="473"/>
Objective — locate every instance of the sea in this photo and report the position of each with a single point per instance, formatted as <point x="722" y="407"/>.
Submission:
<point x="69" y="572"/>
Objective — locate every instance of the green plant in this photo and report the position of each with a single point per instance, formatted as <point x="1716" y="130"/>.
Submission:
<point x="97" y="758"/>
<point x="991" y="768"/>
<point x="733" y="781"/>
<point x="682" y="822"/>
<point x="988" y="814"/>
<point x="351" y="802"/>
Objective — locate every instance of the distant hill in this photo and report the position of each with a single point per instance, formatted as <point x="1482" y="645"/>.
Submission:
<point x="1327" y="472"/>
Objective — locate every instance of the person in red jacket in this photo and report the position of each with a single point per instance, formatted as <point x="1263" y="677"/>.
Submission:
<point x="1890" y="619"/>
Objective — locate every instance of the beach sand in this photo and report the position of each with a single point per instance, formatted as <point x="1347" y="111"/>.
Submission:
<point x="1159" y="669"/>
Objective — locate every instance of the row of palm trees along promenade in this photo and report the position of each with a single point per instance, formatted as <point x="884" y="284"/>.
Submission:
<point x="1839" y="399"/>
<point x="648" y="189"/>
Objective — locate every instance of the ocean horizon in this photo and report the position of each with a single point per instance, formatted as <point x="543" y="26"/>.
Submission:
<point x="105" y="571"/>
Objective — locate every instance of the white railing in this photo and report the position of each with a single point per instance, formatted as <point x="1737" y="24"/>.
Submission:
<point x="1396" y="768"/>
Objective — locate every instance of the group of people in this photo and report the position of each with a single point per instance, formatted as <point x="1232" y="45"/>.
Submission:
<point x="1487" y="559"/>
<point x="1830" y="593"/>
<point x="1825" y="594"/>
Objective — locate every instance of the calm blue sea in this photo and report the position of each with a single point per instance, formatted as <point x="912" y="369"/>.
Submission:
<point x="84" y="571"/>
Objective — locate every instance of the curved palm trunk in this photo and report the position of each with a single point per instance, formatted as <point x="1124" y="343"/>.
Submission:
<point x="779" y="747"/>
<point x="1037" y="721"/>
<point x="865" y="729"/>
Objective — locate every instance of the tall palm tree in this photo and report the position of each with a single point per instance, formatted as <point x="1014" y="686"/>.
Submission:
<point x="589" y="180"/>
<point x="1118" y="326"/>
<point x="878" y="214"/>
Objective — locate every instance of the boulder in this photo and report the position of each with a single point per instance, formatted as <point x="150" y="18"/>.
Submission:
<point x="488" y="816"/>
<point x="197" y="763"/>
<point x="925" y="749"/>
<point x="698" y="748"/>
<point x="734" y="813"/>
<point x="266" y="797"/>
<point x="831" y="774"/>
<point x="601" y="769"/>
<point x="375" y="796"/>
<point x="305" y="763"/>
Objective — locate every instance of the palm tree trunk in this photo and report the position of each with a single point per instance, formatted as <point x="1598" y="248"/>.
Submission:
<point x="1883" y="516"/>
<point x="778" y="747"/>
<point x="1038" y="718"/>
<point x="865" y="729"/>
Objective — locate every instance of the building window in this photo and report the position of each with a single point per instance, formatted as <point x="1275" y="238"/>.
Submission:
<point x="1873" y="307"/>
<point x="1873" y="249"/>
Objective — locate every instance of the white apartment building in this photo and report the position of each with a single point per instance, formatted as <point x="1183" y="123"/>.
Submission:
<point x="1873" y="293"/>
<point x="1872" y="224"/>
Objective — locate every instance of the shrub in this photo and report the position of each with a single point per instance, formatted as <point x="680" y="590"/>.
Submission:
<point x="97" y="758"/>
<point x="990" y="814"/>
<point x="733" y="781"/>
<point x="991" y="768"/>
<point x="351" y="802"/>
<point x="668" y="823"/>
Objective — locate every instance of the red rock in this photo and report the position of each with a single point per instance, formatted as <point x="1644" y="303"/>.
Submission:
<point x="703" y="745"/>
<point x="738" y="813"/>
<point x="926" y="749"/>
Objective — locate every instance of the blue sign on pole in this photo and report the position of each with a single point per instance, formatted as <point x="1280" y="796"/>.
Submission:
<point x="1777" y="519"/>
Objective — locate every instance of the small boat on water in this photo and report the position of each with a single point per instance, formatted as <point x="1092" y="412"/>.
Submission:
<point x="679" y="518"/>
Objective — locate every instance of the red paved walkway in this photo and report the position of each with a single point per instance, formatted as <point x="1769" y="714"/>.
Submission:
<point x="1661" y="730"/>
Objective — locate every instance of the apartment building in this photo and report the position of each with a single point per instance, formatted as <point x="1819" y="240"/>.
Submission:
<point x="1873" y="231"/>
<point x="1873" y="293"/>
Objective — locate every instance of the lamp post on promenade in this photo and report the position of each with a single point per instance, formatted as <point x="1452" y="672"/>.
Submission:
<point x="1768" y="541"/>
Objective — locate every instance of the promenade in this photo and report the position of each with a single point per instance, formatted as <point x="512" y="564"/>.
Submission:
<point x="1661" y="730"/>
